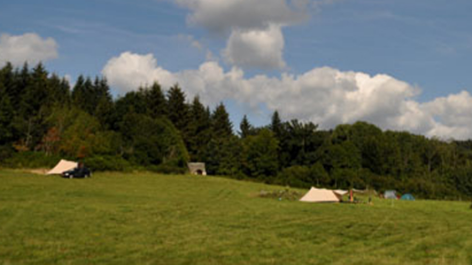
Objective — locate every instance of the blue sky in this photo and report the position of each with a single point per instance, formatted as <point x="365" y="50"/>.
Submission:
<point x="425" y="44"/>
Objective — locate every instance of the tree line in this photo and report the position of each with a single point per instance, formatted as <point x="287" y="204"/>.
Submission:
<point x="42" y="119"/>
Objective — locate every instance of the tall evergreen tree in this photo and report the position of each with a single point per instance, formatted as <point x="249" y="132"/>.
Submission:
<point x="104" y="103"/>
<point x="245" y="128"/>
<point x="36" y="93"/>
<point x="33" y="108"/>
<point x="156" y="101"/>
<point x="178" y="110"/>
<point x="276" y="125"/>
<point x="66" y="90"/>
<point x="223" y="156"/>
<point x="221" y="125"/>
<point x="59" y="92"/>
<point x="199" y="133"/>
<point x="100" y="91"/>
<point x="7" y="77"/>
<point x="6" y="116"/>
<point x="89" y="100"/>
<point x="132" y="103"/>
<point x="78" y="92"/>
<point x="260" y="154"/>
<point x="86" y="94"/>
<point x="22" y="81"/>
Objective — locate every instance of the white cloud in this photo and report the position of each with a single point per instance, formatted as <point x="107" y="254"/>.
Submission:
<point x="254" y="27"/>
<point x="256" y="48"/>
<point x="453" y="115"/>
<point x="130" y="71"/>
<point x="27" y="47"/>
<point x="325" y="96"/>
<point x="223" y="16"/>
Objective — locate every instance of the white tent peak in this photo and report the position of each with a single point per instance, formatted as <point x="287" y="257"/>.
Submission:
<point x="341" y="192"/>
<point x="62" y="166"/>
<point x="320" y="195"/>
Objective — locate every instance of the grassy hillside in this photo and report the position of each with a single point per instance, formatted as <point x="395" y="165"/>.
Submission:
<point x="145" y="218"/>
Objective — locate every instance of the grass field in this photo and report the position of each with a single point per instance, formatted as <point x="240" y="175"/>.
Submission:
<point x="144" y="218"/>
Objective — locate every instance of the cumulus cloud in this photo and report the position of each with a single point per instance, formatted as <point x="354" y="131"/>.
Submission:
<point x="452" y="114"/>
<point x="256" y="48"/>
<point x="27" y="47"/>
<point x="223" y="16"/>
<point x="254" y="27"/>
<point x="325" y="96"/>
<point x="130" y="71"/>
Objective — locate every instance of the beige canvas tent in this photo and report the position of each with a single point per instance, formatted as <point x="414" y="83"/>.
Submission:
<point x="62" y="166"/>
<point x="320" y="195"/>
<point x="197" y="168"/>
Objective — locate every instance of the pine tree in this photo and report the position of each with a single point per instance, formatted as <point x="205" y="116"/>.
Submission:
<point x="104" y="112"/>
<point x="276" y="125"/>
<point x="100" y="91"/>
<point x="103" y="102"/>
<point x="78" y="91"/>
<point x="199" y="130"/>
<point x="7" y="77"/>
<point x="24" y="75"/>
<point x="89" y="100"/>
<point x="33" y="109"/>
<point x="223" y="156"/>
<point x="65" y="88"/>
<point x="131" y="103"/>
<point x="245" y="128"/>
<point x="156" y="101"/>
<point x="178" y="110"/>
<point x="260" y="154"/>
<point x="221" y="125"/>
<point x="22" y="81"/>
<point x="59" y="93"/>
<point x="85" y="94"/>
<point x="6" y="116"/>
<point x="36" y="93"/>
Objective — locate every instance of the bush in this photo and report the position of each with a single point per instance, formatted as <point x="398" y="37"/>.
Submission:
<point x="295" y="176"/>
<point x="287" y="194"/>
<point x="239" y="176"/>
<point x="31" y="160"/>
<point x="6" y="151"/>
<point x="346" y="178"/>
<point x="151" y="141"/>
<point x="167" y="169"/>
<point x="107" y="163"/>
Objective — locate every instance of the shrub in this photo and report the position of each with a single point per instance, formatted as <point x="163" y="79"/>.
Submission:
<point x="107" y="163"/>
<point x="286" y="194"/>
<point x="167" y="169"/>
<point x="295" y="176"/>
<point x="30" y="159"/>
<point x="151" y="141"/>
<point x="6" y="151"/>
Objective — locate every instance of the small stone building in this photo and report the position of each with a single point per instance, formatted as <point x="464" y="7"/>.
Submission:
<point x="197" y="168"/>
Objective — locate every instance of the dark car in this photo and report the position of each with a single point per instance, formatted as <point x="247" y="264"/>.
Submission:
<point x="79" y="172"/>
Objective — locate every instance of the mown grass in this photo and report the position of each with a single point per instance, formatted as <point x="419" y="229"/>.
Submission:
<point x="145" y="218"/>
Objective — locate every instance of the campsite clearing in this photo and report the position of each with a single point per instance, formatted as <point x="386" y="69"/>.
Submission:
<point x="145" y="218"/>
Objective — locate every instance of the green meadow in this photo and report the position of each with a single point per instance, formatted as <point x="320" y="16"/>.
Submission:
<point x="147" y="218"/>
